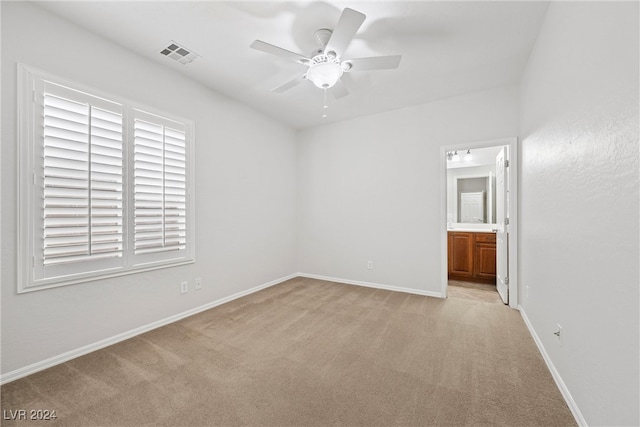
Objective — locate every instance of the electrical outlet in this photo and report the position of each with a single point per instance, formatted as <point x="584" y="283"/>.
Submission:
<point x="369" y="265"/>
<point x="558" y="333"/>
<point x="184" y="287"/>
<point x="198" y="284"/>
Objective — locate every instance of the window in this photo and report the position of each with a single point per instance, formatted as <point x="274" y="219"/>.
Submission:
<point x="104" y="185"/>
<point x="160" y="193"/>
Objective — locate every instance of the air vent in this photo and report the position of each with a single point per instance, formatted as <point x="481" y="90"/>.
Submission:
<point x="179" y="53"/>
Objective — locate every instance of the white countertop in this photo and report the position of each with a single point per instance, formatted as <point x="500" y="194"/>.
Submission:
<point x="474" y="228"/>
<point x="468" y="230"/>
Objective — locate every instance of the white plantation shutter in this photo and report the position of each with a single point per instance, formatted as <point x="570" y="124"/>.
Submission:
<point x="104" y="188"/>
<point x="160" y="193"/>
<point x="82" y="183"/>
<point x="175" y="189"/>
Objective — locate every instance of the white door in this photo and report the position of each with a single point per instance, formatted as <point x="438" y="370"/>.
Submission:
<point x="472" y="207"/>
<point x="502" y="221"/>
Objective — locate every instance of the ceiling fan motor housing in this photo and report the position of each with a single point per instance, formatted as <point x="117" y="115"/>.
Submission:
<point x="325" y="68"/>
<point x="322" y="37"/>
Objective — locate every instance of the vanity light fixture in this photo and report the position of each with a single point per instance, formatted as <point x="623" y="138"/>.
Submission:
<point x="453" y="156"/>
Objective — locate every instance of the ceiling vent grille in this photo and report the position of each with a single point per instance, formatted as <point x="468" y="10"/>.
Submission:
<point x="179" y="53"/>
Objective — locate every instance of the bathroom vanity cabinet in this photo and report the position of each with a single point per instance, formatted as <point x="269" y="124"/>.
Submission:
<point x="472" y="256"/>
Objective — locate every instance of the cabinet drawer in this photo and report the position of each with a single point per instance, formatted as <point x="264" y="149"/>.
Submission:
<point x="485" y="237"/>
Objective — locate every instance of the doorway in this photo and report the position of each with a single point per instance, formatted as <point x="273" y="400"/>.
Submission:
<point x="479" y="217"/>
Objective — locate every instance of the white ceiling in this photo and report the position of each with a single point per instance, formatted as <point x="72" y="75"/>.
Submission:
<point x="448" y="48"/>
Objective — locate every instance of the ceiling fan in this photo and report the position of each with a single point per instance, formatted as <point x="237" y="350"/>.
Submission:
<point x="326" y="64"/>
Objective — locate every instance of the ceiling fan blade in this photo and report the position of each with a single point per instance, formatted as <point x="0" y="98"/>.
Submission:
<point x="347" y="27"/>
<point x="374" y="63"/>
<point x="339" y="90"/>
<point x="288" y="85"/>
<point x="278" y="51"/>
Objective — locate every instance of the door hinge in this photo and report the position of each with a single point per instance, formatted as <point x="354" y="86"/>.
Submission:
<point x="506" y="280"/>
<point x="506" y="221"/>
<point x="506" y="163"/>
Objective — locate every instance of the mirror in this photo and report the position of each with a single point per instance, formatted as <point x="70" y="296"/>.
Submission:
<point x="475" y="202"/>
<point x="471" y="187"/>
<point x="471" y="196"/>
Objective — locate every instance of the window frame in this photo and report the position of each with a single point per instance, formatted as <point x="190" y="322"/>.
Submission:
<point x="29" y="208"/>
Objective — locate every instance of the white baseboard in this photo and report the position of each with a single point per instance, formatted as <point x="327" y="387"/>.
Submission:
<point x="372" y="285"/>
<point x="64" y="357"/>
<point x="554" y="372"/>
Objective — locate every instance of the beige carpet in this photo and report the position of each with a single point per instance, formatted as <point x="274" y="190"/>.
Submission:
<point x="314" y="353"/>
<point x="474" y="291"/>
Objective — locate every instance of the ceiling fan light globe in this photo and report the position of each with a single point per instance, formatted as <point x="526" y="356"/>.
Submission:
<point x="324" y="75"/>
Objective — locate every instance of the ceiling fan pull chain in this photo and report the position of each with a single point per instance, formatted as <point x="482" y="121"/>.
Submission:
<point x="324" y="116"/>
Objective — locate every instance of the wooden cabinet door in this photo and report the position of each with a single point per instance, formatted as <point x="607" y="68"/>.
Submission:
<point x="461" y="253"/>
<point x="485" y="260"/>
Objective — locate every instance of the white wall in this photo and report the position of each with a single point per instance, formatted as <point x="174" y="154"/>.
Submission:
<point x="369" y="188"/>
<point x="245" y="205"/>
<point x="579" y="208"/>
